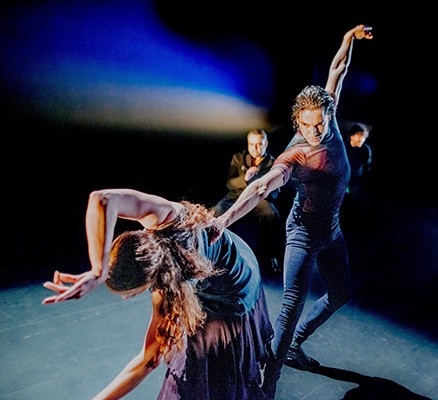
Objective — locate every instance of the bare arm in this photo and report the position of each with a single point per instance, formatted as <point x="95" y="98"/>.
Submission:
<point x="342" y="59"/>
<point x="250" y="197"/>
<point x="104" y="207"/>
<point x="140" y="366"/>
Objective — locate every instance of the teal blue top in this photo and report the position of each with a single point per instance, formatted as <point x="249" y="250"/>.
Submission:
<point x="237" y="289"/>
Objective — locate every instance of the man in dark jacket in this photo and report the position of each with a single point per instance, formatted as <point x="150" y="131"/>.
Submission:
<point x="247" y="166"/>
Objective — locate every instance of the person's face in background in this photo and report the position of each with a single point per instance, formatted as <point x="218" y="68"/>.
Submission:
<point x="257" y="145"/>
<point x="358" y="139"/>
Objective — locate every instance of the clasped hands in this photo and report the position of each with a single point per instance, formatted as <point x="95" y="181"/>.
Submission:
<point x="216" y="229"/>
<point x="250" y="172"/>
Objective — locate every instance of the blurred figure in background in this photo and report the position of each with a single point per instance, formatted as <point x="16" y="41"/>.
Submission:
<point x="359" y="156"/>
<point x="246" y="166"/>
<point x="357" y="195"/>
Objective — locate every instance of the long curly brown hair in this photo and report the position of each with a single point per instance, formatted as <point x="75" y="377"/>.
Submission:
<point x="166" y="259"/>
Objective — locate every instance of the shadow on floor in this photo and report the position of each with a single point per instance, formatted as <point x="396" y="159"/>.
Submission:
<point x="370" y="387"/>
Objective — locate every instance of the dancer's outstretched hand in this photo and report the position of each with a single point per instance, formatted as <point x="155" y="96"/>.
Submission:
<point x="81" y="284"/>
<point x="363" y="32"/>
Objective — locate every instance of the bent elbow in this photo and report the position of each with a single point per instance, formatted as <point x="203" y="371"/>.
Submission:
<point x="98" y="197"/>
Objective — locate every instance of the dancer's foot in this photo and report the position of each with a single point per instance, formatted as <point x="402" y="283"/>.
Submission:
<point x="297" y="358"/>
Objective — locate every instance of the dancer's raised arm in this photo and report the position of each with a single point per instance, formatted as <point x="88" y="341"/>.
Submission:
<point x="104" y="207"/>
<point x="341" y="61"/>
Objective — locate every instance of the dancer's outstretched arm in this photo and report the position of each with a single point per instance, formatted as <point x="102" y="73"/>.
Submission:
<point x="104" y="207"/>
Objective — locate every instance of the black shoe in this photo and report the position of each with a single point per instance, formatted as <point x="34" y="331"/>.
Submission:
<point x="298" y="359"/>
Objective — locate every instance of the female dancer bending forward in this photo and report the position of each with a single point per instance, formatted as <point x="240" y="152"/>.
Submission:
<point x="209" y="320"/>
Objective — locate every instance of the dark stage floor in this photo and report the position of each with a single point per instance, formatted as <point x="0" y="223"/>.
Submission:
<point x="381" y="346"/>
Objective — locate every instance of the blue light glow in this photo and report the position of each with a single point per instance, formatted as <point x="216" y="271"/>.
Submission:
<point x="116" y="62"/>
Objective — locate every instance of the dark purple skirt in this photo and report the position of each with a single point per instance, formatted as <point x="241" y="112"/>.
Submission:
<point x="223" y="360"/>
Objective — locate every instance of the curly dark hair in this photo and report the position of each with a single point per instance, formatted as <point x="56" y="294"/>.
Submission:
<point x="311" y="98"/>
